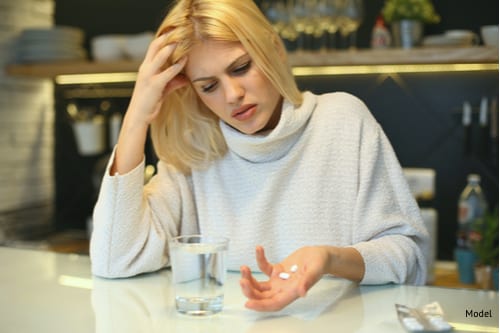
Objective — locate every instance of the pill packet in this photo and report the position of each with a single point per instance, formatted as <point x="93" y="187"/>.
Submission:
<point x="429" y="318"/>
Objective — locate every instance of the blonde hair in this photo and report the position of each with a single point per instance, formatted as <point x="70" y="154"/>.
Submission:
<point x="186" y="134"/>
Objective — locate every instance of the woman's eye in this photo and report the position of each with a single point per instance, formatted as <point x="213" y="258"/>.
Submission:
<point x="208" y="87"/>
<point x="242" y="68"/>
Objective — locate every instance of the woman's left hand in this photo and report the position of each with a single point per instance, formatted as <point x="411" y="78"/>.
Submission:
<point x="277" y="292"/>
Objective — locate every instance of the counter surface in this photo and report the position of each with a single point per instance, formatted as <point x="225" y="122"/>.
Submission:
<point x="44" y="291"/>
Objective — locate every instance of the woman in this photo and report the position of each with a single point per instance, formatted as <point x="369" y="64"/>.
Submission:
<point x="243" y="153"/>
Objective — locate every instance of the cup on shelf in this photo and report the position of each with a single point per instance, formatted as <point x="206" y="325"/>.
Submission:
<point x="90" y="135"/>
<point x="489" y="34"/>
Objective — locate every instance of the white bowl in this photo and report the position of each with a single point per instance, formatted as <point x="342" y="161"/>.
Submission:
<point x="108" y="47"/>
<point x="137" y="45"/>
<point x="489" y="34"/>
<point x="464" y="37"/>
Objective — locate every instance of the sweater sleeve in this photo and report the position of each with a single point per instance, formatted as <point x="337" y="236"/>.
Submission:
<point x="390" y="233"/>
<point x="132" y="222"/>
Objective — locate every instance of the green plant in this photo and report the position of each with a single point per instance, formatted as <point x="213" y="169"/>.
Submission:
<point x="484" y="239"/>
<point x="419" y="10"/>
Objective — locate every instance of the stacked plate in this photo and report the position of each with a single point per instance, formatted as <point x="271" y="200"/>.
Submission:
<point x="457" y="38"/>
<point x="50" y="44"/>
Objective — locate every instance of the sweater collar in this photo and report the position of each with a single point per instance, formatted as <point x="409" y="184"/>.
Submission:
<point x="274" y="144"/>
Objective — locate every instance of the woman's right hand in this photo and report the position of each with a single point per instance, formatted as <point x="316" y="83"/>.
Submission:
<point x="154" y="81"/>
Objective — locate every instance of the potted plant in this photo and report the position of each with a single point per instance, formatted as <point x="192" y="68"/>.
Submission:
<point x="484" y="238"/>
<point x="407" y="18"/>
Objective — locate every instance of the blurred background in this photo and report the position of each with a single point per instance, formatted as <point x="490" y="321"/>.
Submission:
<point x="98" y="17"/>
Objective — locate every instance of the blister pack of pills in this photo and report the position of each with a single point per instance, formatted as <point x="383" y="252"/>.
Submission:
<point x="429" y="318"/>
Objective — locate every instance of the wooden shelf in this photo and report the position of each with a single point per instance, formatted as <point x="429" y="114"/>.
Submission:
<point x="397" y="56"/>
<point x="363" y="57"/>
<point x="50" y="70"/>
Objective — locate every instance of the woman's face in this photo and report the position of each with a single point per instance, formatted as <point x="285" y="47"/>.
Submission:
<point x="230" y="84"/>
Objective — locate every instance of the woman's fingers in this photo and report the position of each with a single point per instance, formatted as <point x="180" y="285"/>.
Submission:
<point x="162" y="56"/>
<point x="157" y="56"/>
<point x="265" y="266"/>
<point x="251" y="292"/>
<point x="171" y="77"/>
<point x="155" y="64"/>
<point x="250" y="282"/>
<point x="154" y="83"/>
<point x="156" y="45"/>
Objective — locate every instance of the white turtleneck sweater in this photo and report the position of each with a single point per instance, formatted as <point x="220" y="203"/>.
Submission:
<point x="326" y="175"/>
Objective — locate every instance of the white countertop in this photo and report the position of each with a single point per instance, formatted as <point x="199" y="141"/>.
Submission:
<point x="47" y="292"/>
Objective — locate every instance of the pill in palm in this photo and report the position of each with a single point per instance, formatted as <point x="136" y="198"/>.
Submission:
<point x="284" y="276"/>
<point x="294" y="268"/>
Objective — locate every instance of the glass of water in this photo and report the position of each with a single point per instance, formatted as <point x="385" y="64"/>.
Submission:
<point x="198" y="273"/>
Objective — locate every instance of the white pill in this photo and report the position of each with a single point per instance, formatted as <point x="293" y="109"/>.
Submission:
<point x="294" y="268"/>
<point x="284" y="276"/>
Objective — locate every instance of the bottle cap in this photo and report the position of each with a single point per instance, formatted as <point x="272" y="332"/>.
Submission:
<point x="473" y="177"/>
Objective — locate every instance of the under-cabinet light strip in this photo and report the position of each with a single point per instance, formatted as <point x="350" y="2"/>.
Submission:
<point x="96" y="78"/>
<point x="299" y="71"/>
<point x="390" y="69"/>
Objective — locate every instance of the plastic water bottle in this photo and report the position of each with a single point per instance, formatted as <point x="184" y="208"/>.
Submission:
<point x="471" y="206"/>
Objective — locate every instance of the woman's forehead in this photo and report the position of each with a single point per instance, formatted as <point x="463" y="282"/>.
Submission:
<point x="208" y="56"/>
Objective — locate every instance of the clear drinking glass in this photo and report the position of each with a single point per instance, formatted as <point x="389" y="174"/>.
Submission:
<point x="302" y="17"/>
<point x="351" y="14"/>
<point x="279" y="15"/>
<point x="328" y="23"/>
<point x="276" y="13"/>
<point x="198" y="273"/>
